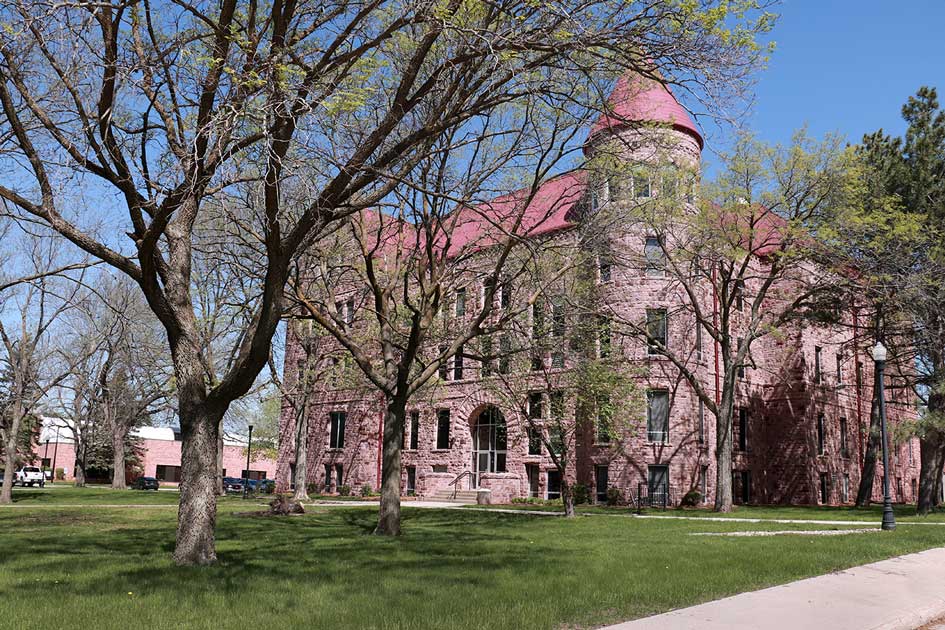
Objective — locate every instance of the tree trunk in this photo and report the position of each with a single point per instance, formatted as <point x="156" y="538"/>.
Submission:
<point x="937" y="491"/>
<point x="864" y="495"/>
<point x="9" y="463"/>
<point x="118" y="458"/>
<point x="301" y="457"/>
<point x="931" y="458"/>
<point x="197" y="514"/>
<point x="80" y="464"/>
<point x="567" y="496"/>
<point x="723" y="452"/>
<point x="219" y="476"/>
<point x="388" y="522"/>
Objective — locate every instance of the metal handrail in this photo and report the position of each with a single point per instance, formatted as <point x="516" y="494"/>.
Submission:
<point x="456" y="481"/>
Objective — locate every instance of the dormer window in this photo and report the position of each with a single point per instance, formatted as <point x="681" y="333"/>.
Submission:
<point x="345" y="311"/>
<point x="653" y="254"/>
<point x="600" y="195"/>
<point x="641" y="187"/>
<point x="668" y="186"/>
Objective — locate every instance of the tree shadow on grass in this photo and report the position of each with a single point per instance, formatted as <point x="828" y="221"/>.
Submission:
<point x="335" y="549"/>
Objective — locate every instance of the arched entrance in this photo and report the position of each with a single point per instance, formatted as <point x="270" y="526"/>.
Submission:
<point x="490" y="442"/>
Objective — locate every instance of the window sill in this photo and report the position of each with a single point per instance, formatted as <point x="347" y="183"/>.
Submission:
<point x="655" y="443"/>
<point x="603" y="444"/>
<point x="335" y="449"/>
<point x="440" y="450"/>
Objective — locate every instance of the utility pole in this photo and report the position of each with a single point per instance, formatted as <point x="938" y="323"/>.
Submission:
<point x="249" y="450"/>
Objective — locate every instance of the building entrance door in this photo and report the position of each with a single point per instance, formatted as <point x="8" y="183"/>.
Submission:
<point x="489" y="444"/>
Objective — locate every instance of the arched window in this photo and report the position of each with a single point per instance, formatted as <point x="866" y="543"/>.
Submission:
<point x="490" y="441"/>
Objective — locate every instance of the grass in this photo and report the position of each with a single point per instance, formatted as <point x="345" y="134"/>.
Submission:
<point x="96" y="566"/>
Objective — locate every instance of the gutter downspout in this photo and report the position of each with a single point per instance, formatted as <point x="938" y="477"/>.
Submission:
<point x="858" y="375"/>
<point x="715" y="344"/>
<point x="715" y="324"/>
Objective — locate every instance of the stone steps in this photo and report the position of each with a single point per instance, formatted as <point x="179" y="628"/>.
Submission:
<point x="467" y="497"/>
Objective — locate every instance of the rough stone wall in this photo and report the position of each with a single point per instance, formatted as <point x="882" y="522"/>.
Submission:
<point x="778" y="392"/>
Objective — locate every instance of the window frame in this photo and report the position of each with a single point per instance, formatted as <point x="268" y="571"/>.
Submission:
<point x="818" y="366"/>
<point x="652" y="394"/>
<point x="602" y="428"/>
<point x="443" y="417"/>
<point x="414" y="430"/>
<point x="651" y="348"/>
<point x="458" y="364"/>
<point x="337" y="419"/>
<point x="459" y="302"/>
<point x="654" y="268"/>
<point x="821" y="434"/>
<point x="742" y="443"/>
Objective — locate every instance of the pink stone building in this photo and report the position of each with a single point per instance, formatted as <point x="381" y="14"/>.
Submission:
<point x="802" y="406"/>
<point x="160" y="449"/>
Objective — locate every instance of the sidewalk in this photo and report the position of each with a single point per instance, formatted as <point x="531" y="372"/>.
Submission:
<point x="898" y="594"/>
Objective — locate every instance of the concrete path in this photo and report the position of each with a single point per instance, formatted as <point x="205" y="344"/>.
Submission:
<point x="898" y="594"/>
<point x="792" y="521"/>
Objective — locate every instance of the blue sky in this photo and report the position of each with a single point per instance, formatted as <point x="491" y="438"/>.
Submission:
<point x="848" y="66"/>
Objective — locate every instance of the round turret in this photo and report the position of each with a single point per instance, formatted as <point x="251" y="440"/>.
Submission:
<point x="644" y="123"/>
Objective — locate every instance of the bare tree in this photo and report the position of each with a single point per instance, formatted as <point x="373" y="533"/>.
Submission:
<point x="31" y="307"/>
<point x="301" y="389"/>
<point x="170" y="105"/>
<point x="739" y="264"/>
<point x="395" y="290"/>
<point x="564" y="373"/>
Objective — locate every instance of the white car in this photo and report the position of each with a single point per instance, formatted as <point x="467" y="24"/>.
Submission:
<point x="29" y="476"/>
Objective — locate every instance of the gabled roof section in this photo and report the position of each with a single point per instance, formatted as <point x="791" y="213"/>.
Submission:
<point x="550" y="209"/>
<point x="638" y="100"/>
<point x="524" y="213"/>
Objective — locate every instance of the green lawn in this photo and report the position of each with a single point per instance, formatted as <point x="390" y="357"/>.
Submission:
<point x="105" y="567"/>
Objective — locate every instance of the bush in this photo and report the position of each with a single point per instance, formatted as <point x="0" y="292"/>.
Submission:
<point x="283" y="505"/>
<point x="691" y="498"/>
<point x="615" y="497"/>
<point x="366" y="490"/>
<point x="313" y="488"/>
<point x="535" y="501"/>
<point x="60" y="474"/>
<point x="344" y="491"/>
<point x="582" y="494"/>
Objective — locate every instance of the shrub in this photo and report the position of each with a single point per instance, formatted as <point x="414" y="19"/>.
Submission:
<point x="60" y="474"/>
<point x="582" y="494"/>
<point x="691" y="498"/>
<point x="366" y="490"/>
<point x="312" y="488"/>
<point x="535" y="501"/>
<point x="344" y="491"/>
<point x="615" y="497"/>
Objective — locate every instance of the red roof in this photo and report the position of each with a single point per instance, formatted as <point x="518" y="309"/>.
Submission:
<point x="548" y="210"/>
<point x="520" y="214"/>
<point x="636" y="100"/>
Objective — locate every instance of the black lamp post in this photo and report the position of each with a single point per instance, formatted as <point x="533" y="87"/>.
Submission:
<point x="879" y="359"/>
<point x="45" y="459"/>
<point x="249" y="449"/>
<point x="54" y="453"/>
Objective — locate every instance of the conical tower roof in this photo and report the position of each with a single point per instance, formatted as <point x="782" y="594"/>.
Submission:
<point x="636" y="100"/>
